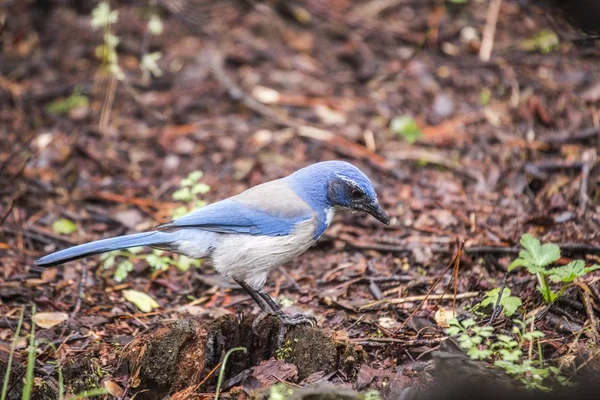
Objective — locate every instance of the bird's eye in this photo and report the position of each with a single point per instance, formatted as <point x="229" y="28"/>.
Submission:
<point x="356" y="194"/>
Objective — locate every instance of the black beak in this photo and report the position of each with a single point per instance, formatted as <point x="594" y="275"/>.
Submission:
<point x="377" y="211"/>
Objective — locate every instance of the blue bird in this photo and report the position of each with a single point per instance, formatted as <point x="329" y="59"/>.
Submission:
<point x="256" y="231"/>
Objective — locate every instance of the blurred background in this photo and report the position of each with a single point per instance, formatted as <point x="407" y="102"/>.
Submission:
<point x="476" y="120"/>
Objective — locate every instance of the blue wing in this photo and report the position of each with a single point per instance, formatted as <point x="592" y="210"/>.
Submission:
<point x="233" y="216"/>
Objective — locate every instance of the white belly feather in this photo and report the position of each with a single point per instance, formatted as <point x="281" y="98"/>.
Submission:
<point x="251" y="258"/>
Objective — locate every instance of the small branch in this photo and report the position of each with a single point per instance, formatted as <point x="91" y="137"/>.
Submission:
<point x="446" y="296"/>
<point x="489" y="31"/>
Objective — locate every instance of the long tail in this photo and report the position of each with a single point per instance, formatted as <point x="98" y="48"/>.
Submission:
<point x="104" y="245"/>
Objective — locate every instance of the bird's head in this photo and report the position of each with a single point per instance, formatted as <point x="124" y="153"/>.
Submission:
<point x="346" y="187"/>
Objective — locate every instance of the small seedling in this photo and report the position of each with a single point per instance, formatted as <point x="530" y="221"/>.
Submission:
<point x="535" y="258"/>
<point x="190" y="192"/>
<point x="284" y="351"/>
<point x="510" y="304"/>
<point x="102" y="19"/>
<point x="64" y="226"/>
<point x="505" y="351"/>
<point x="406" y="127"/>
<point x="65" y="105"/>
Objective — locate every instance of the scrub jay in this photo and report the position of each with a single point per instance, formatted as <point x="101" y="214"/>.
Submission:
<point x="249" y="235"/>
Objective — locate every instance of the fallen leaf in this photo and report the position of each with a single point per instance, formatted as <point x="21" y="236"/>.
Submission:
<point x="114" y="389"/>
<point x="141" y="300"/>
<point x="46" y="320"/>
<point x="442" y="316"/>
<point x="64" y="226"/>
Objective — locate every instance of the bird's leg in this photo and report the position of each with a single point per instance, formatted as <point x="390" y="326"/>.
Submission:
<point x="266" y="309"/>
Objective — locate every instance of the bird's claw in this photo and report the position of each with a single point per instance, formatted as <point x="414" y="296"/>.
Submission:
<point x="298" y="319"/>
<point x="287" y="321"/>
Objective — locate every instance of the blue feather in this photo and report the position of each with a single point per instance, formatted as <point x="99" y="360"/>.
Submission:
<point x="104" y="245"/>
<point x="232" y="216"/>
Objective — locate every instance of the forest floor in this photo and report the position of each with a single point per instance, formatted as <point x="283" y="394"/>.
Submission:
<point x="466" y="156"/>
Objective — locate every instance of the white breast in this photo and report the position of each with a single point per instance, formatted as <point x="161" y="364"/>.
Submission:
<point x="251" y="258"/>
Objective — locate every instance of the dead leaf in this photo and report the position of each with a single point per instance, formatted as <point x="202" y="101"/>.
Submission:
<point x="47" y="320"/>
<point x="441" y="317"/>
<point x="114" y="389"/>
<point x="143" y="301"/>
<point x="49" y="274"/>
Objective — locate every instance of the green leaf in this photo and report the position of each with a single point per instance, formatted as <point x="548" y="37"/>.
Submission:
<point x="123" y="269"/>
<point x="468" y="323"/>
<point x="571" y="271"/>
<point x="534" y="256"/>
<point x="511" y="355"/>
<point x="192" y="178"/>
<point x="184" y="263"/>
<point x="406" y="127"/>
<point x="453" y="330"/>
<point x="544" y="41"/>
<point x="200" y="188"/>
<point x="158" y="262"/>
<point x="519" y="262"/>
<point x="102" y="16"/>
<point x="144" y="302"/>
<point x="155" y="25"/>
<point x="64" y="226"/>
<point x="183" y="194"/>
<point x="63" y="106"/>
<point x="135" y="250"/>
<point x="511" y="304"/>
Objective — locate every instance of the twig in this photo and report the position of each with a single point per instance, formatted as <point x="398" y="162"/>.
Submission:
<point x="489" y="31"/>
<point x="80" y="289"/>
<point x="497" y="308"/>
<point x="586" y="293"/>
<point x="572" y="137"/>
<point x="238" y="94"/>
<point x="583" y="188"/>
<point x="567" y="247"/>
<point x="423" y="298"/>
<point x="415" y="342"/>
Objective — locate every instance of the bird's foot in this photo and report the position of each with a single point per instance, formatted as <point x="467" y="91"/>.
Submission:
<point x="287" y="321"/>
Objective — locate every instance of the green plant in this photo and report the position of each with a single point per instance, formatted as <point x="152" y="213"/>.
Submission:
<point x="102" y="19"/>
<point x="222" y="370"/>
<point x="406" y="127"/>
<point x="545" y="41"/>
<point x="506" y="351"/>
<point x="64" y="226"/>
<point x="474" y="339"/>
<point x="190" y="192"/>
<point x="535" y="258"/>
<point x="63" y="106"/>
<point x="285" y="350"/>
<point x="510" y="304"/>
